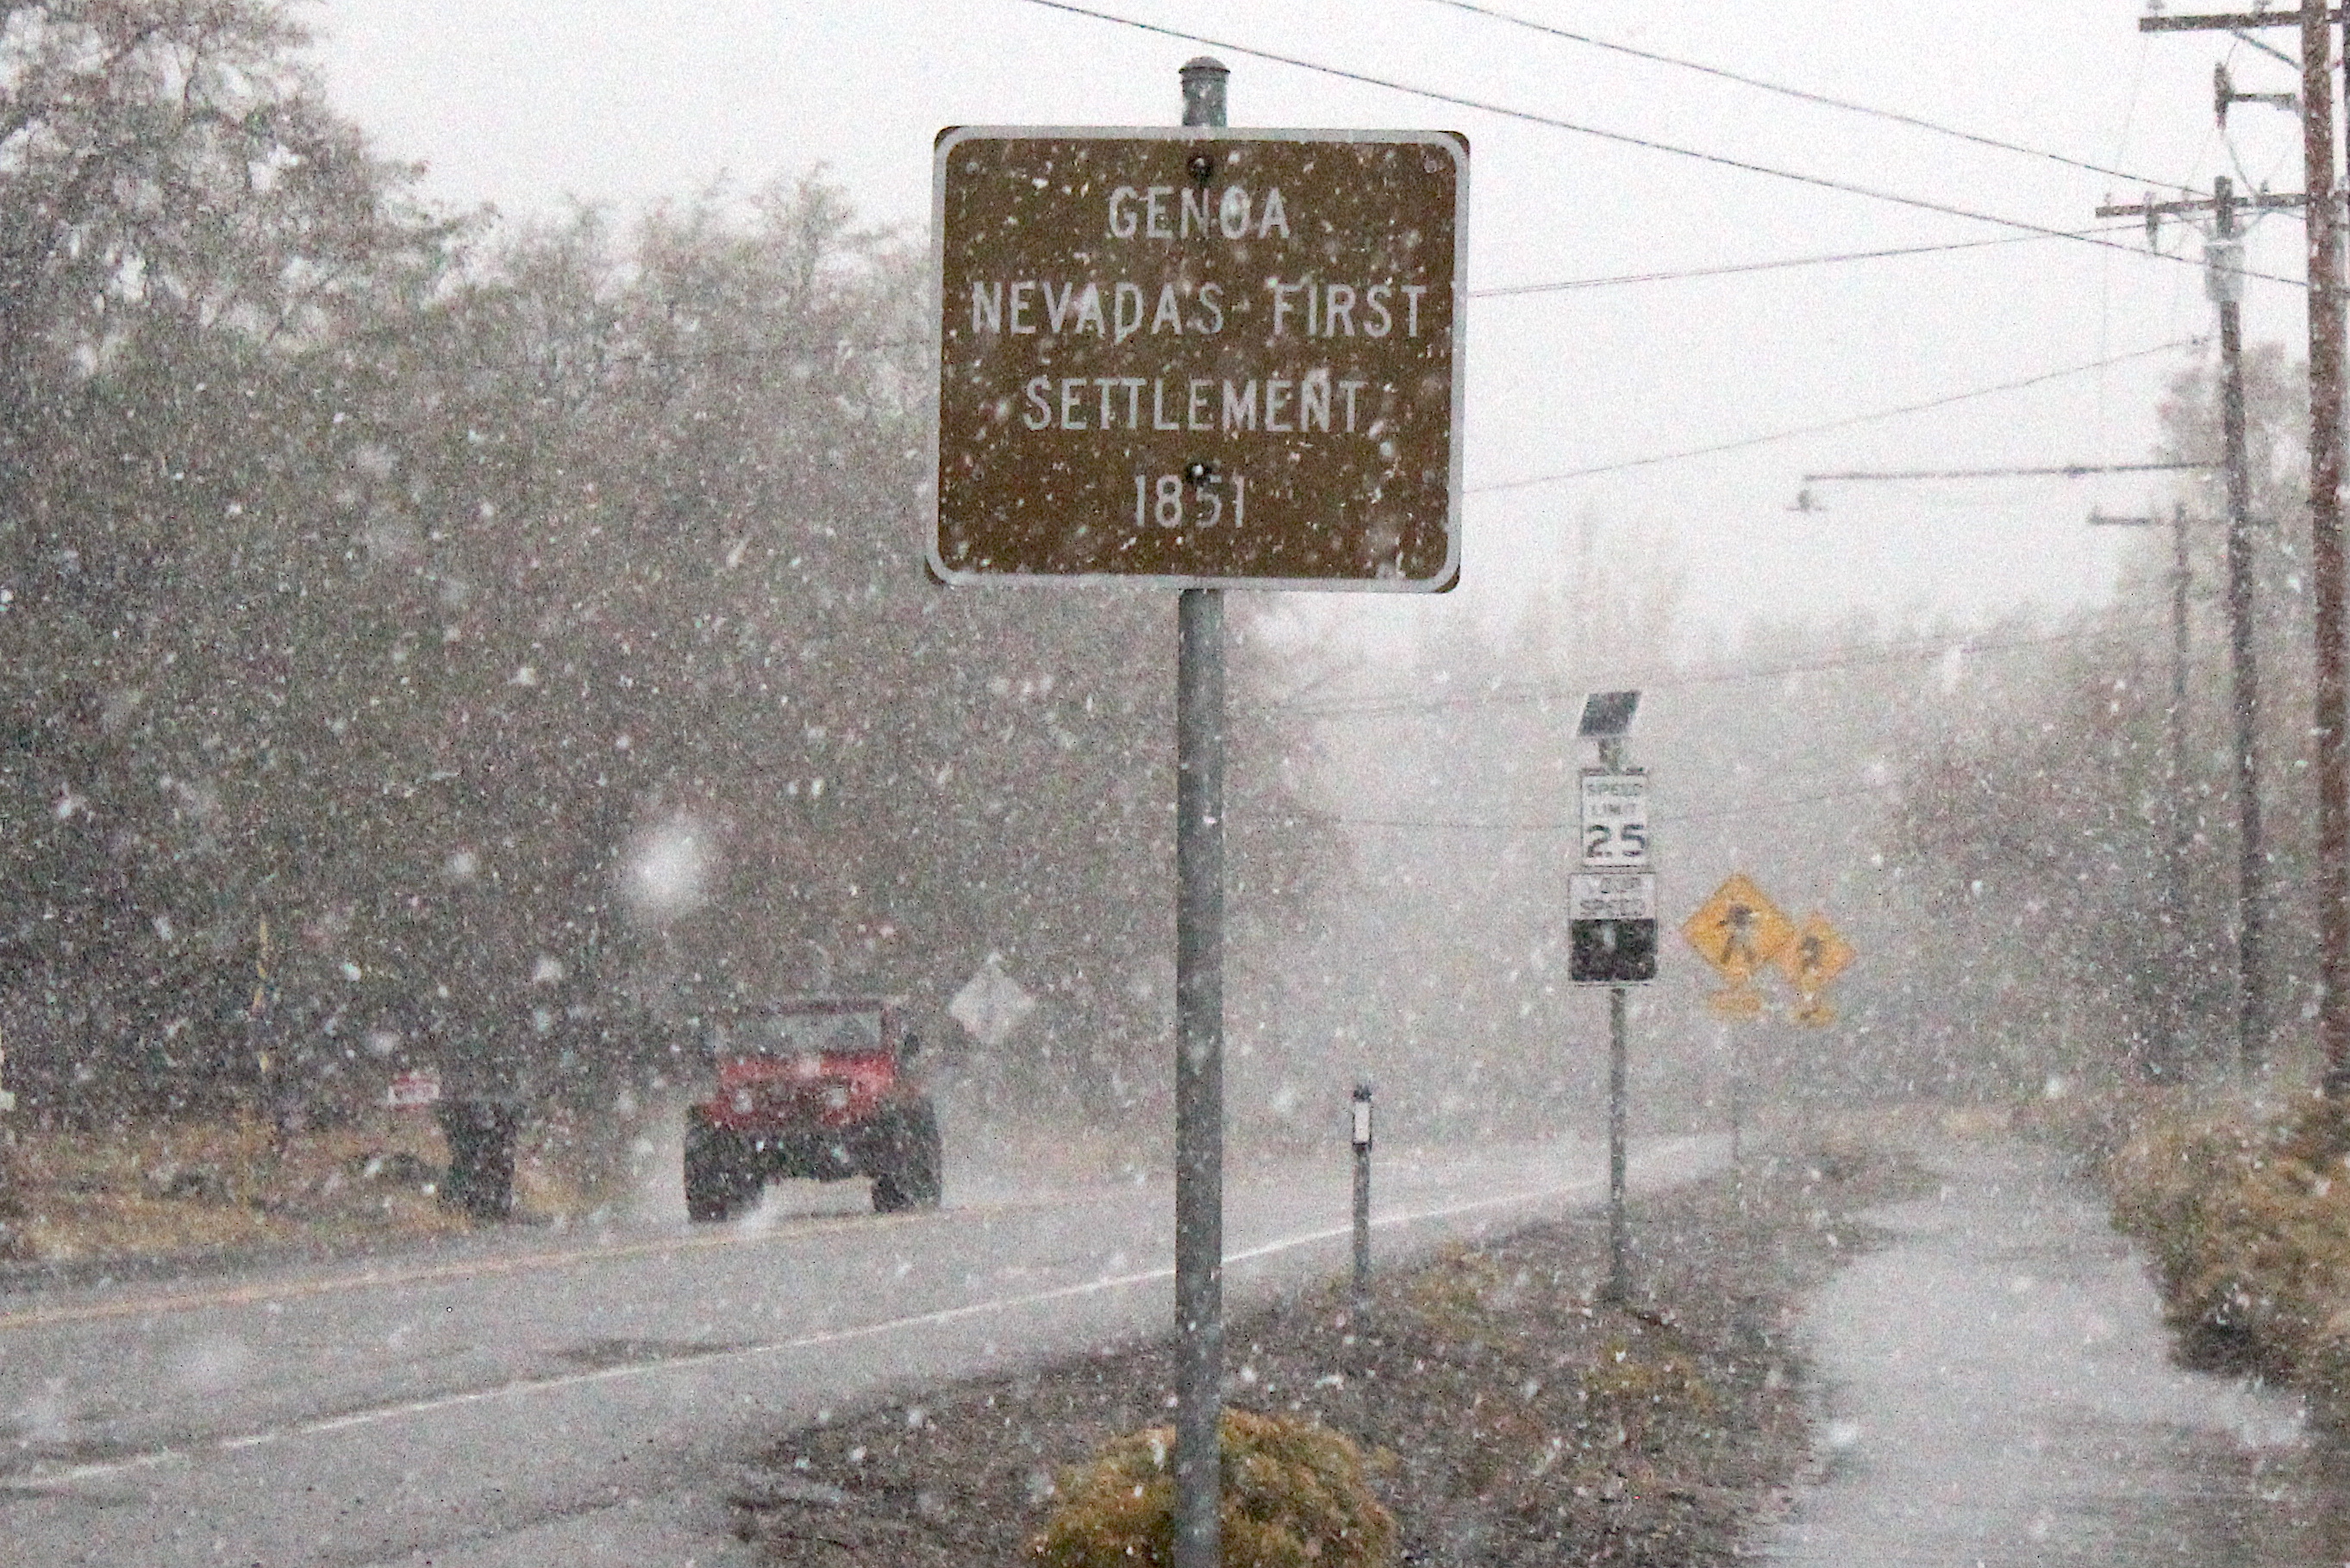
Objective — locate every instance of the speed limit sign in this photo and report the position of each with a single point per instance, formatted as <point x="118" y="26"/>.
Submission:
<point x="1615" y="821"/>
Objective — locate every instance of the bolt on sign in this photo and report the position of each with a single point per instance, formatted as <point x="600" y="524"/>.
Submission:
<point x="1200" y="356"/>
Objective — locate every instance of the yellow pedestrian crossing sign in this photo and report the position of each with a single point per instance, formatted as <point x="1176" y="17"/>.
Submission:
<point x="1739" y="929"/>
<point x="1818" y="954"/>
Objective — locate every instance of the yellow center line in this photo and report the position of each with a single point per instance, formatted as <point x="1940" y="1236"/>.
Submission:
<point x="528" y="1262"/>
<point x="432" y="1274"/>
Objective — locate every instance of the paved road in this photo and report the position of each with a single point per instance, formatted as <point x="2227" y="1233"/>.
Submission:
<point x="530" y="1398"/>
<point x="2000" y="1392"/>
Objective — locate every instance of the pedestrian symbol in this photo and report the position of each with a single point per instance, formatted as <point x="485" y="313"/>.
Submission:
<point x="1818" y="954"/>
<point x="1739" y="929"/>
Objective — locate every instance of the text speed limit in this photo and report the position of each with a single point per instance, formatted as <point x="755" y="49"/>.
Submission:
<point x="1615" y="821"/>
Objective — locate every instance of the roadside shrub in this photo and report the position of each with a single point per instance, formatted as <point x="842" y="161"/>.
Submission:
<point x="2164" y="1177"/>
<point x="2249" y="1226"/>
<point x="11" y="1201"/>
<point x="1294" y="1496"/>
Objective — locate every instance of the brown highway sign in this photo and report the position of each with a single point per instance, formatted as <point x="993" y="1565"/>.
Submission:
<point x="1200" y="356"/>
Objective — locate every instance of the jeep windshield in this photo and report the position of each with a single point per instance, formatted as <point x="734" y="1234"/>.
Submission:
<point x="847" y="1032"/>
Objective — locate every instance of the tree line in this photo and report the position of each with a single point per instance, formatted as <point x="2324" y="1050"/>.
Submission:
<point x="426" y="640"/>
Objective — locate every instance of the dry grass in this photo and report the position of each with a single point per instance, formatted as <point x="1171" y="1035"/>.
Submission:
<point x="149" y="1189"/>
<point x="157" y="1187"/>
<point x="2246" y="1213"/>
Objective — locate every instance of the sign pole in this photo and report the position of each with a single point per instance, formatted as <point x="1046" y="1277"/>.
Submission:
<point x="1199" y="1020"/>
<point x="1361" y="1131"/>
<point x="1611" y="757"/>
<point x="1199" y="1071"/>
<point x="1612" y="922"/>
<point x="1232" y="443"/>
<point x="1725" y="1043"/>
<point x="1618" y="1271"/>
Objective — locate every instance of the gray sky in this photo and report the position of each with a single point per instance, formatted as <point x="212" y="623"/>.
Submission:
<point x="522" y="103"/>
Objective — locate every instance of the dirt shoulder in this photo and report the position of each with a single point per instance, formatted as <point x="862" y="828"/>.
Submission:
<point x="1511" y="1419"/>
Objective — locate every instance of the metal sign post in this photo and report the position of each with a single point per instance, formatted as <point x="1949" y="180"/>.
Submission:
<point x="1612" y="926"/>
<point x="1200" y="1025"/>
<point x="1361" y="1131"/>
<point x="1208" y="359"/>
<point x="1737" y="931"/>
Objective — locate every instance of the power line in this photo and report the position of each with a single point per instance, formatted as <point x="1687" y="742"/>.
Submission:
<point x="2029" y="471"/>
<point x="1735" y="268"/>
<point x="591" y="353"/>
<point x="1924" y="653"/>
<point x="1802" y="95"/>
<point x="628" y="357"/>
<point x="1826" y="426"/>
<point x="1719" y="160"/>
<point x="1673" y="818"/>
<point x="624" y="359"/>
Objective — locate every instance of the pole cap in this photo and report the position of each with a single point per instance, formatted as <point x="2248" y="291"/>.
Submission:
<point x="1204" y="80"/>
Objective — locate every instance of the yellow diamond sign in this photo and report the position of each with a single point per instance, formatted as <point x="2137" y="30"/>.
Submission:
<point x="1818" y="954"/>
<point x="1739" y="929"/>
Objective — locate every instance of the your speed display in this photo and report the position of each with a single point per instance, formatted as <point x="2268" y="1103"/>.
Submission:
<point x="1196" y="356"/>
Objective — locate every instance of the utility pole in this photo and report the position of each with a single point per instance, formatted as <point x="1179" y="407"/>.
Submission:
<point x="2325" y="547"/>
<point x="2166" y="1062"/>
<point x="2224" y="281"/>
<point x="2325" y="364"/>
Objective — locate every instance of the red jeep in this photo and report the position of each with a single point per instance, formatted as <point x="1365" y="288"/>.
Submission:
<point x="820" y="1088"/>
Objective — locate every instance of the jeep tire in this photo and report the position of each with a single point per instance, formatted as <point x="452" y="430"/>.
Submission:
<point x="480" y="1135"/>
<point x="909" y="1175"/>
<point x="719" y="1179"/>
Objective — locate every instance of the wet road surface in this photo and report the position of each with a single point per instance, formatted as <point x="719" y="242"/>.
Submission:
<point x="1999" y="1391"/>
<point x="521" y="1399"/>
